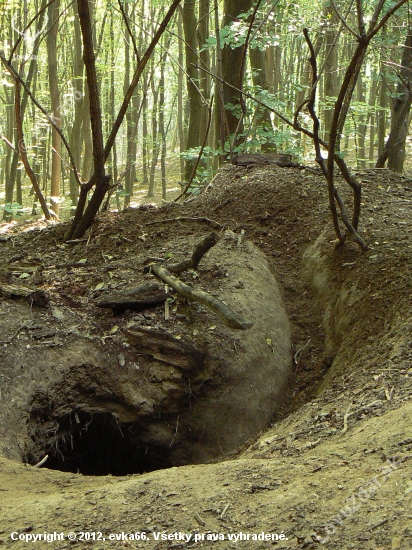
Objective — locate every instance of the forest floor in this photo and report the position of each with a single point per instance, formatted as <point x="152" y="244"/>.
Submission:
<point x="334" y="468"/>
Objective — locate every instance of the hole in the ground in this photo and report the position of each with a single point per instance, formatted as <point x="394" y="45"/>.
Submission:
<point x="96" y="444"/>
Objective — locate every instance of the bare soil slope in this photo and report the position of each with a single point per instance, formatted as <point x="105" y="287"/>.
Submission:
<point x="334" y="470"/>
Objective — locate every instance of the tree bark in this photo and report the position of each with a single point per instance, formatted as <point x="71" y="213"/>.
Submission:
<point x="194" y="98"/>
<point x="155" y="138"/>
<point x="55" y="105"/>
<point x="258" y="62"/>
<point x="361" y="130"/>
<point x="204" y="56"/>
<point x="99" y="158"/>
<point x="180" y="114"/>
<point x="231" y="63"/>
<point x="394" y="151"/>
<point x="77" y="83"/>
<point x="82" y="221"/>
<point x="330" y="81"/>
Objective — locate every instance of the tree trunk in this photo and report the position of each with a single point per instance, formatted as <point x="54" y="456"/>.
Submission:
<point x="381" y="118"/>
<point x="145" y="181"/>
<point x="55" y="104"/>
<point x="155" y="139"/>
<point x="162" y="129"/>
<point x="204" y="55"/>
<point x="87" y="137"/>
<point x="113" y="99"/>
<point x="381" y="113"/>
<point x="82" y="221"/>
<point x="361" y="153"/>
<point x="102" y="181"/>
<point x="394" y="151"/>
<point x="372" y="120"/>
<point x="220" y="114"/>
<point x="180" y="123"/>
<point x="77" y="83"/>
<point x="129" y="118"/>
<point x="231" y="70"/>
<point x="263" y="120"/>
<point x="194" y="98"/>
<point x="330" y="81"/>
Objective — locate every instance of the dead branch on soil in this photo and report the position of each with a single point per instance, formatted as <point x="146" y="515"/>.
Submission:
<point x="229" y="318"/>
<point x="10" y="340"/>
<point x="198" y="253"/>
<point x="42" y="461"/>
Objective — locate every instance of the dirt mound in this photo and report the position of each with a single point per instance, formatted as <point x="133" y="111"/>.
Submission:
<point x="335" y="466"/>
<point x="103" y="398"/>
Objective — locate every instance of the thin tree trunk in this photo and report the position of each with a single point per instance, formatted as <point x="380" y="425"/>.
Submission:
<point x="129" y="117"/>
<point x="87" y="136"/>
<point x="102" y="181"/>
<point x="155" y="140"/>
<point x="262" y="120"/>
<point x="204" y="57"/>
<point x="162" y="129"/>
<point x="145" y="181"/>
<point x="112" y="107"/>
<point x="82" y="220"/>
<point x="220" y="112"/>
<point x="362" y="127"/>
<point x="180" y="124"/>
<point x="194" y="98"/>
<point x="372" y="120"/>
<point x="55" y="104"/>
<point x="77" y="83"/>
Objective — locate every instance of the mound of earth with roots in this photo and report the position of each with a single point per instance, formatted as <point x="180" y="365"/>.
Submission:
<point x="291" y="433"/>
<point x="129" y="391"/>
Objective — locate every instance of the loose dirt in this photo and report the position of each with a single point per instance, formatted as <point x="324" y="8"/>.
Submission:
<point x="333" y="470"/>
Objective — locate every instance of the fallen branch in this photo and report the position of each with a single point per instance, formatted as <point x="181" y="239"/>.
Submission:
<point x="198" y="253"/>
<point x="10" y="340"/>
<point x="42" y="461"/>
<point x="229" y="318"/>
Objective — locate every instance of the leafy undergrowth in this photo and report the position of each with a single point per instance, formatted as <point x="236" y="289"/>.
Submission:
<point x="334" y="470"/>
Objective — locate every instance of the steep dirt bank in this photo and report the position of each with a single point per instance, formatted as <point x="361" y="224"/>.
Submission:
<point x="335" y="466"/>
